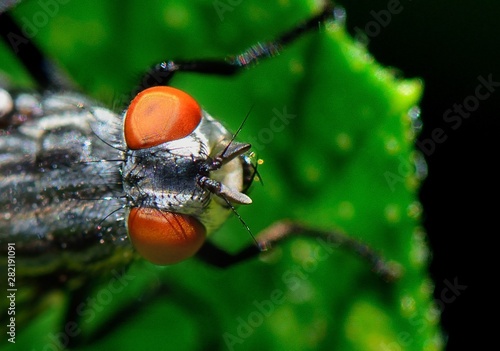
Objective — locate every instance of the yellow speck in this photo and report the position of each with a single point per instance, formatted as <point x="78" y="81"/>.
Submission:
<point x="257" y="13"/>
<point x="419" y="253"/>
<point x="301" y="250"/>
<point x="408" y="305"/>
<point x="426" y="288"/>
<point x="391" y="145"/>
<point x="415" y="210"/>
<point x="346" y="210"/>
<point x="434" y="343"/>
<point x="392" y="213"/>
<point x="344" y="141"/>
<point x="433" y="314"/>
<point x="406" y="88"/>
<point x="296" y="67"/>
<point x="384" y="74"/>
<point x="373" y="323"/>
<point x="302" y="293"/>
<point x="409" y="135"/>
<point x="176" y="16"/>
<point x="312" y="174"/>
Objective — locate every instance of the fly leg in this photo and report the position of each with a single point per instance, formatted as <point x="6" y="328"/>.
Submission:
<point x="75" y="333"/>
<point x="39" y="66"/>
<point x="72" y="320"/>
<point x="162" y="73"/>
<point x="283" y="230"/>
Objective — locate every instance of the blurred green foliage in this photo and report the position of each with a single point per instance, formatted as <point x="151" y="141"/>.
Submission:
<point x="345" y="160"/>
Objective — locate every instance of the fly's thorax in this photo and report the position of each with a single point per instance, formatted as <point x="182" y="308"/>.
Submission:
<point x="164" y="177"/>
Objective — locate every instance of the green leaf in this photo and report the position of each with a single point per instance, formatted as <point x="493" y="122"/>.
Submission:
<point x="334" y="130"/>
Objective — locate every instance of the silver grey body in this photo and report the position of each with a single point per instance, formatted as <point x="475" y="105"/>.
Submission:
<point x="67" y="181"/>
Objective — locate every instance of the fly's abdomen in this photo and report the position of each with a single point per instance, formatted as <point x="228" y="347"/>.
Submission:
<point x="61" y="196"/>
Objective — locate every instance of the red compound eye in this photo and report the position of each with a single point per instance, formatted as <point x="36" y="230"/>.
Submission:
<point x="160" y="114"/>
<point x="164" y="237"/>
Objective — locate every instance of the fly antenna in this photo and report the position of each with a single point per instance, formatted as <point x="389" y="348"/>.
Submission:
<point x="237" y="132"/>
<point x="245" y="225"/>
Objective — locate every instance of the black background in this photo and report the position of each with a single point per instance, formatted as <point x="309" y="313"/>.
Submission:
<point x="450" y="44"/>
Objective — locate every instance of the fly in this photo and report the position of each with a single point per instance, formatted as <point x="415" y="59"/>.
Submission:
<point x="66" y="170"/>
<point x="83" y="188"/>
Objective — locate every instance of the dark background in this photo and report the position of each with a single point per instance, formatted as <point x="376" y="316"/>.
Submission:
<point x="449" y="44"/>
